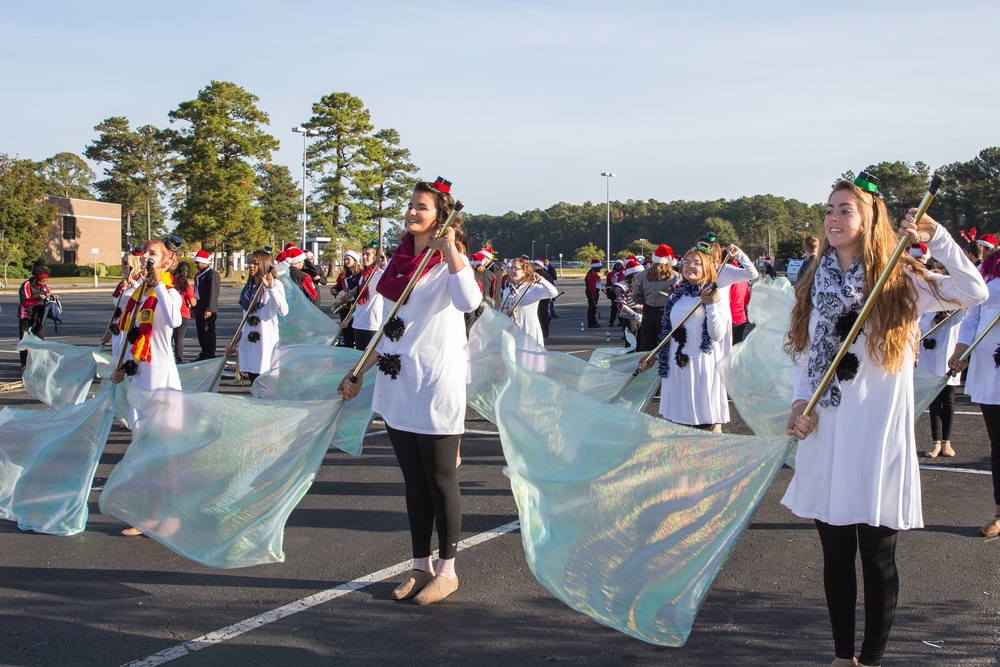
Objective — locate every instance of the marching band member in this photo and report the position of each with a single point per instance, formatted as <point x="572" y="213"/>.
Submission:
<point x="933" y="355"/>
<point x="259" y="337"/>
<point x="368" y="311"/>
<point x="692" y="389"/>
<point x="133" y="269"/>
<point x="348" y="283"/>
<point x="651" y="290"/>
<point x="521" y="295"/>
<point x="420" y="389"/>
<point x="856" y="470"/>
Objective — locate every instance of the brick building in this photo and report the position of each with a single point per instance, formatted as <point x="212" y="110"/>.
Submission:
<point x="81" y="226"/>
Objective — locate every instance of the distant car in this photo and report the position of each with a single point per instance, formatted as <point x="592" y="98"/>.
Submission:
<point x="792" y="270"/>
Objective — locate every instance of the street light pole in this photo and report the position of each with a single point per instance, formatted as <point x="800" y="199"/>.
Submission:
<point x="532" y="250"/>
<point x="306" y="133"/>
<point x="609" y="176"/>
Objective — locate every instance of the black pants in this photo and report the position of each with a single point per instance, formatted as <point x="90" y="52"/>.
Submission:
<point x="179" y="332"/>
<point x="36" y="325"/>
<point x="942" y="411"/>
<point x="432" y="493"/>
<point x="543" y="317"/>
<point x="991" y="415"/>
<point x="361" y="338"/>
<point x="877" y="546"/>
<point x="347" y="333"/>
<point x="649" y="328"/>
<point x="206" y="334"/>
<point x="738" y="330"/>
<point x="592" y="312"/>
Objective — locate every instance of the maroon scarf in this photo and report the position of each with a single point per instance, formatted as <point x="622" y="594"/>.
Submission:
<point x="365" y="275"/>
<point x="401" y="268"/>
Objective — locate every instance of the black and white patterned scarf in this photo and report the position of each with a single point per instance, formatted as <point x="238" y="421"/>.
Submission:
<point x="837" y="298"/>
<point x="684" y="288"/>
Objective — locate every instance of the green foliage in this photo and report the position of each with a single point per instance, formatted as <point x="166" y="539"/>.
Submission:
<point x="218" y="150"/>
<point x="25" y="218"/>
<point x="74" y="271"/>
<point x="383" y="184"/>
<point x="137" y="175"/>
<point x="14" y="272"/>
<point x="280" y="202"/>
<point x="112" y="270"/>
<point x="68" y="176"/>
<point x="587" y="253"/>
<point x="970" y="194"/>
<point x="901" y="185"/>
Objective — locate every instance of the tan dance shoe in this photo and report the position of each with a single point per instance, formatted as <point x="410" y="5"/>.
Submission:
<point x="992" y="529"/>
<point x="416" y="583"/>
<point x="437" y="590"/>
<point x="946" y="449"/>
<point x="934" y="450"/>
<point x="844" y="662"/>
<point x="131" y="532"/>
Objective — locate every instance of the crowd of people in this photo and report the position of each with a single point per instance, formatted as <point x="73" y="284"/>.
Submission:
<point x="856" y="470"/>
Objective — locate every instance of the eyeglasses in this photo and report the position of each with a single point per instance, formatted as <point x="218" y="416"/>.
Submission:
<point x="691" y="262"/>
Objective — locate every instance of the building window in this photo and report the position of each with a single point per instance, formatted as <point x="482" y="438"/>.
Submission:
<point x="69" y="256"/>
<point x="69" y="227"/>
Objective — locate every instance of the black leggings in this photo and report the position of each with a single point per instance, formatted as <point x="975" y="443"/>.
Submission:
<point x="878" y="567"/>
<point x="942" y="410"/>
<point x="179" y="332"/>
<point x="991" y="415"/>
<point x="432" y="493"/>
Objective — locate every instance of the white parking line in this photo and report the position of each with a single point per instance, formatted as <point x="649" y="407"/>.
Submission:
<point x="237" y="629"/>
<point x="973" y="471"/>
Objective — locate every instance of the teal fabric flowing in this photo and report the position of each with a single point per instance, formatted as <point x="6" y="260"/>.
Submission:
<point x="313" y="372"/>
<point x="305" y="323"/>
<point x="47" y="463"/>
<point x="214" y="477"/>
<point x="630" y="530"/>
<point x="609" y="380"/>
<point x="759" y="372"/>
<point x="59" y="374"/>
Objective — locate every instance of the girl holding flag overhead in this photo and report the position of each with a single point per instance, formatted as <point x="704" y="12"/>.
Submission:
<point x="420" y="387"/>
<point x="856" y="470"/>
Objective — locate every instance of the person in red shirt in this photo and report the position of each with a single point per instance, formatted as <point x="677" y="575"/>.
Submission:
<point x="593" y="281"/>
<point x="182" y="283"/>
<point x="32" y="296"/>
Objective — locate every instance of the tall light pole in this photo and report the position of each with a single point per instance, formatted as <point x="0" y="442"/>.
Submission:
<point x="306" y="133"/>
<point x="609" y="176"/>
<point x="532" y="250"/>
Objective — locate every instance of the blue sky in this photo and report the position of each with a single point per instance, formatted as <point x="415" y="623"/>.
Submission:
<point x="524" y="104"/>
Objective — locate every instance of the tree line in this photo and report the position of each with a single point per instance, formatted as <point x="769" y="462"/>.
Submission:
<point x="969" y="197"/>
<point x="211" y="171"/>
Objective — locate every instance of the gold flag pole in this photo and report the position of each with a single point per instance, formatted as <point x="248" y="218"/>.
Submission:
<point x="968" y="351"/>
<point x="118" y="305"/>
<point x="938" y="325"/>
<point x="510" y="312"/>
<point x="901" y="247"/>
<point x="239" y="329"/>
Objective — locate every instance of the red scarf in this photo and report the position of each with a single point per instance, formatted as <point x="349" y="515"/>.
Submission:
<point x="363" y="297"/>
<point x="401" y="268"/>
<point x="142" y="347"/>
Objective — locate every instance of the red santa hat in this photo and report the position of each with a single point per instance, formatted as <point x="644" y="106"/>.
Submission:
<point x="767" y="260"/>
<point x="281" y="258"/>
<point x="918" y="251"/>
<point x="596" y="263"/>
<point x="287" y="246"/>
<point x="663" y="254"/>
<point x="294" y="255"/>
<point x="478" y="259"/>
<point x="632" y="267"/>
<point x="487" y="252"/>
<point x="353" y="254"/>
<point x="202" y="257"/>
<point x="988" y="241"/>
<point x="539" y="263"/>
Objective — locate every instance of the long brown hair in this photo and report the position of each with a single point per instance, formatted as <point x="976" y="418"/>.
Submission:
<point x="265" y="265"/>
<point x="892" y="323"/>
<point x="657" y="273"/>
<point x="444" y="203"/>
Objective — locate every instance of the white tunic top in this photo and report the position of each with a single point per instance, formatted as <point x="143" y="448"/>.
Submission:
<point x="256" y="357"/>
<point x="526" y="315"/>
<point x="161" y="371"/>
<point x="368" y="315"/>
<point x="428" y="395"/>
<point x="935" y="360"/>
<point x="696" y="394"/>
<point x="982" y="384"/>
<point x="859" y="465"/>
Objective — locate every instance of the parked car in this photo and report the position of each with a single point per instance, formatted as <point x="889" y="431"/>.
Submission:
<point x="792" y="270"/>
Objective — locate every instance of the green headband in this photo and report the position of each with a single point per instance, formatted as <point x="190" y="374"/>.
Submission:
<point x="866" y="183"/>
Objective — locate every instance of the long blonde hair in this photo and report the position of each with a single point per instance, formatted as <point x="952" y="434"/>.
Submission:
<point x="892" y="323"/>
